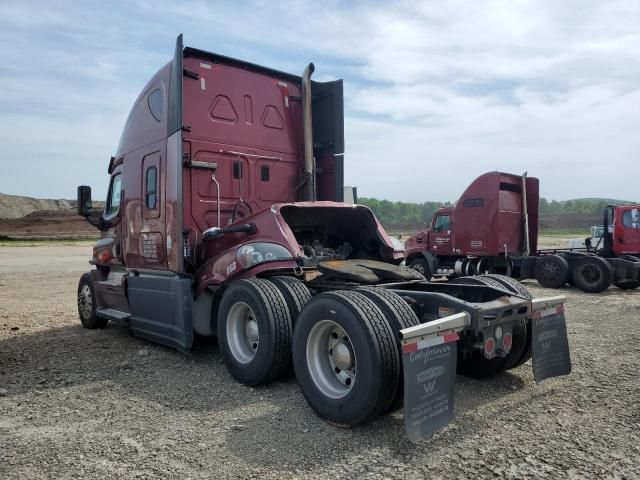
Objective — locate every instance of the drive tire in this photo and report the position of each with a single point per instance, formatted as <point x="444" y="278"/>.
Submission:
<point x="592" y="274"/>
<point x="295" y="293"/>
<point x="511" y="284"/>
<point x="421" y="266"/>
<point x="87" y="304"/>
<point x="552" y="271"/>
<point x="373" y="346"/>
<point x="399" y="315"/>
<point x="258" y="303"/>
<point x="480" y="280"/>
<point x="478" y="366"/>
<point x="520" y="290"/>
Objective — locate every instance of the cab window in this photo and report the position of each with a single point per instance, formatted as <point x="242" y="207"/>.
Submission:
<point x="113" y="200"/>
<point x="150" y="196"/>
<point x="442" y="224"/>
<point x="630" y="219"/>
<point x="473" y="203"/>
<point x="154" y="100"/>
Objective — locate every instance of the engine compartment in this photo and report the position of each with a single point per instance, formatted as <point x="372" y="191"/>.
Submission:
<point x="336" y="233"/>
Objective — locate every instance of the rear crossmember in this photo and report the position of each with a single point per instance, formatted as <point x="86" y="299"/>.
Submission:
<point x="430" y="355"/>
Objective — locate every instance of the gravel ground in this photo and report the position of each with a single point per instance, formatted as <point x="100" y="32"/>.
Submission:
<point x="76" y="403"/>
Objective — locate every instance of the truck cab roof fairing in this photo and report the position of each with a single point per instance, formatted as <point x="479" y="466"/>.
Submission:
<point x="174" y="121"/>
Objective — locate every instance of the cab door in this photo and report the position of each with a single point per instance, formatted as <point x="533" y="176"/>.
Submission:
<point x="440" y="238"/>
<point x="626" y="232"/>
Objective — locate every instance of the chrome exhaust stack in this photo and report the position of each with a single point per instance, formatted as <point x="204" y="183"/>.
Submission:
<point x="309" y="186"/>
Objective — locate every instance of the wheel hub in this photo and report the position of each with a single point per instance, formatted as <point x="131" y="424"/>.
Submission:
<point x="251" y="331"/>
<point x="243" y="333"/>
<point x="341" y="356"/>
<point x="331" y="359"/>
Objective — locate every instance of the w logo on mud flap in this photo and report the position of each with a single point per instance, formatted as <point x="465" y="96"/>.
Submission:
<point x="429" y="387"/>
<point x="546" y="345"/>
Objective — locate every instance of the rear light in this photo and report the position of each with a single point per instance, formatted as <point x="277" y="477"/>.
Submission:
<point x="102" y="256"/>
<point x="507" y="341"/>
<point x="489" y="347"/>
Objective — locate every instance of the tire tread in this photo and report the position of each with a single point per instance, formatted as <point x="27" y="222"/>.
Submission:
<point x="374" y="321"/>
<point x="399" y="316"/>
<point x="274" y="303"/>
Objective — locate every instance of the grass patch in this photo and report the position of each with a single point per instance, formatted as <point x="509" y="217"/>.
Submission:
<point x="564" y="233"/>
<point x="6" y="241"/>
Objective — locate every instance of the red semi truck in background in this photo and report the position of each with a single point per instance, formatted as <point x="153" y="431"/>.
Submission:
<point x="224" y="218"/>
<point x="493" y="228"/>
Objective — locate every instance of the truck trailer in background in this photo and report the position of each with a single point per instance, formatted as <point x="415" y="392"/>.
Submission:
<point x="493" y="228"/>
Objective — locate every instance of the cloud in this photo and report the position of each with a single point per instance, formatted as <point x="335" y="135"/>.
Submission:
<point x="436" y="92"/>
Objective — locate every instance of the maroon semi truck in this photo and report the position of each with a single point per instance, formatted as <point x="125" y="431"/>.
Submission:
<point x="493" y="228"/>
<point x="224" y="217"/>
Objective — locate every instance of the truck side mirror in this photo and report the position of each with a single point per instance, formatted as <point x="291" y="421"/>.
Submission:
<point x="84" y="200"/>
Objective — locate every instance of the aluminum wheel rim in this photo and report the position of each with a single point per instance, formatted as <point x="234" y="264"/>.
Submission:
<point x="85" y="302"/>
<point x="331" y="359"/>
<point x="243" y="335"/>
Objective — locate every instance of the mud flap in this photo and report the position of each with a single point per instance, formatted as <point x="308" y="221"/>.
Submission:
<point x="161" y="307"/>
<point x="551" y="357"/>
<point x="429" y="353"/>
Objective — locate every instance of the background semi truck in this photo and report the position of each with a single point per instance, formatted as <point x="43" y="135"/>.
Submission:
<point x="493" y="228"/>
<point x="225" y="217"/>
<point x="594" y="238"/>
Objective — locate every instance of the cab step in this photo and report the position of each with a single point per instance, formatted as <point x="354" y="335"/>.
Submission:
<point x="112" y="314"/>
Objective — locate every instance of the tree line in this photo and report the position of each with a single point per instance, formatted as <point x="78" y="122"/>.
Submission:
<point x="411" y="216"/>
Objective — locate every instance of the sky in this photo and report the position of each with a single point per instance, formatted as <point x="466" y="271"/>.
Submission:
<point x="436" y="92"/>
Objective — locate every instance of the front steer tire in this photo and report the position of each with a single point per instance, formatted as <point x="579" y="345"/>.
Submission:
<point x="368" y="351"/>
<point x="254" y="331"/>
<point x="87" y="304"/>
<point x="628" y="284"/>
<point x="422" y="268"/>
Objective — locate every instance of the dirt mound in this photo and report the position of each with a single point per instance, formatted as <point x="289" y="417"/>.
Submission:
<point x="16" y="206"/>
<point x="47" y="224"/>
